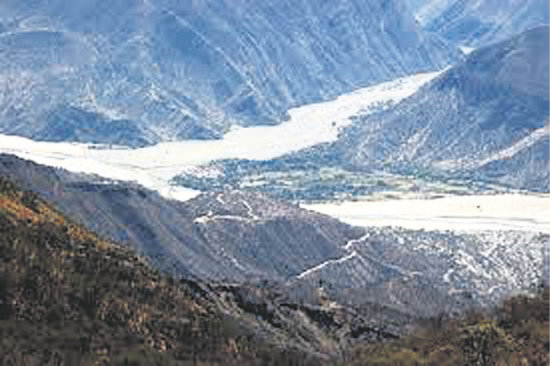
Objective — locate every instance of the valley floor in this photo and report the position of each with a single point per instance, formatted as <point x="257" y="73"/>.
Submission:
<point x="155" y="166"/>
<point x="521" y="212"/>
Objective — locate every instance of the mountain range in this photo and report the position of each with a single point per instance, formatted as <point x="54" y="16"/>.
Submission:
<point x="184" y="259"/>
<point x="482" y="122"/>
<point x="475" y="23"/>
<point x="139" y="72"/>
<point x="479" y="118"/>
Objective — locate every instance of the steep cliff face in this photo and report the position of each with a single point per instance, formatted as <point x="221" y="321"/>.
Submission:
<point x="487" y="115"/>
<point x="478" y="23"/>
<point x="139" y="72"/>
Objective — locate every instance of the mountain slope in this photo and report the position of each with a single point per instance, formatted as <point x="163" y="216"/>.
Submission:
<point x="427" y="272"/>
<point x="69" y="297"/>
<point x="489" y="109"/>
<point x="515" y="333"/>
<point x="139" y="72"/>
<point x="231" y="235"/>
<point x="479" y="23"/>
<point x="251" y="238"/>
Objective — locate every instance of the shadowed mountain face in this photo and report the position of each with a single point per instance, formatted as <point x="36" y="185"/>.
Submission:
<point x="138" y="72"/>
<point x="486" y="117"/>
<point x="478" y="23"/>
<point x="249" y="237"/>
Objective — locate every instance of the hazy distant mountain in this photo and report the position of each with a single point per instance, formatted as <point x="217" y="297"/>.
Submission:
<point x="138" y="72"/>
<point x="486" y="117"/>
<point x="416" y="5"/>
<point x="476" y="23"/>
